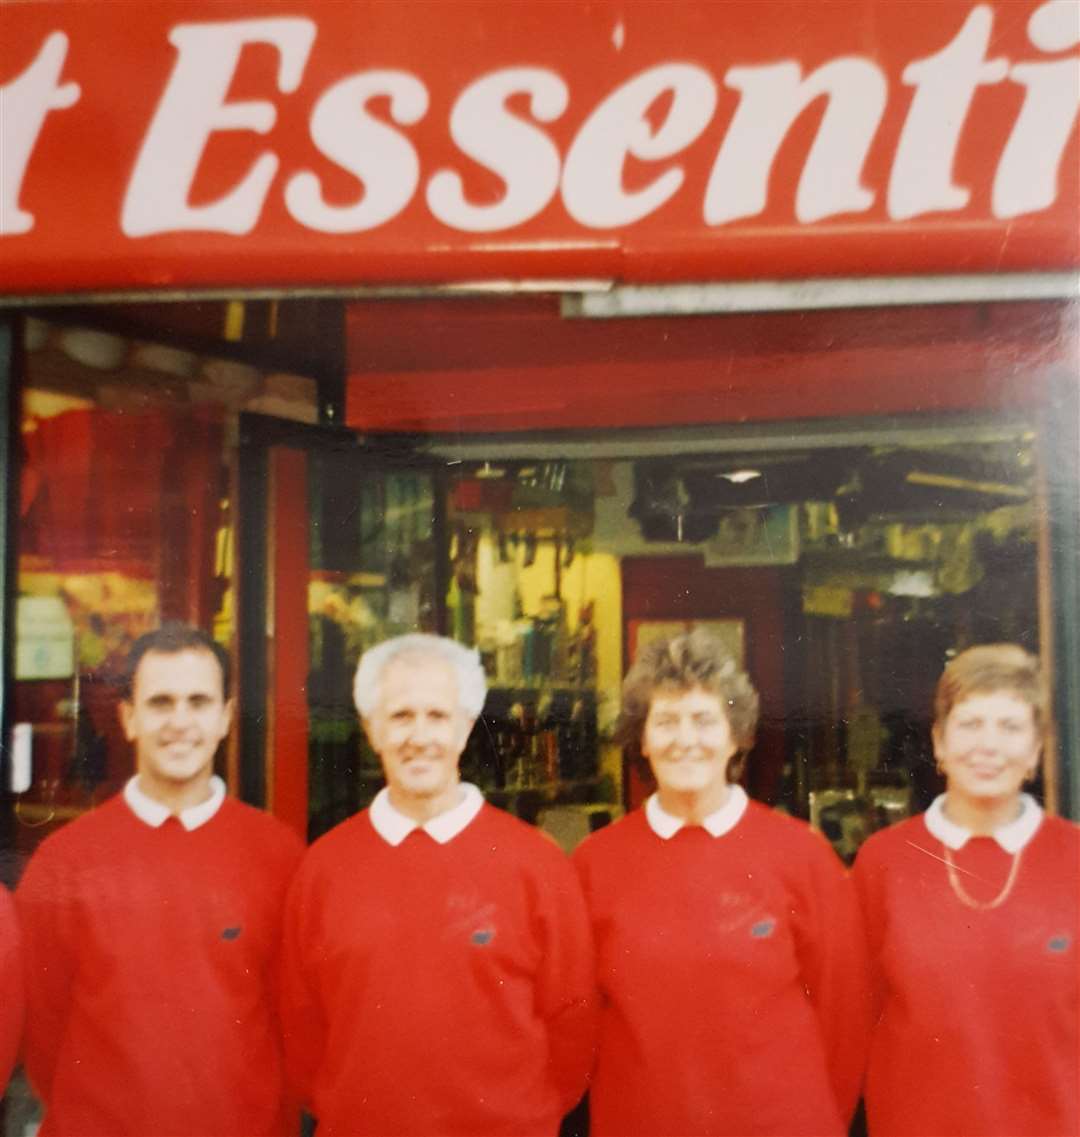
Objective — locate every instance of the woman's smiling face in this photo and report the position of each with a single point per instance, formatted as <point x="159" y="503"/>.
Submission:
<point x="988" y="746"/>
<point x="688" y="741"/>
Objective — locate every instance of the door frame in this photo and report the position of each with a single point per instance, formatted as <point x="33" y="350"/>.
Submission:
<point x="271" y="607"/>
<point x="10" y="400"/>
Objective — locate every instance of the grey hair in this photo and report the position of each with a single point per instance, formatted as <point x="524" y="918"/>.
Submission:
<point x="465" y="663"/>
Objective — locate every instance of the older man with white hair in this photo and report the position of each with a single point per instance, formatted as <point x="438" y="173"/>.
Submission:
<point x="439" y="971"/>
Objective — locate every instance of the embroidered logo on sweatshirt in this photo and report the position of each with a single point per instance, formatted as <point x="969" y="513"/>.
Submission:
<point x="733" y="911"/>
<point x="1058" y="944"/>
<point x="231" y="933"/>
<point x="763" y="928"/>
<point x="470" y="916"/>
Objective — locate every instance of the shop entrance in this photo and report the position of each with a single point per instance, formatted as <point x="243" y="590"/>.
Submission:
<point x="845" y="555"/>
<point x="842" y="574"/>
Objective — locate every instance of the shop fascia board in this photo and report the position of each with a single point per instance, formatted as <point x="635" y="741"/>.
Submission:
<point x="607" y="299"/>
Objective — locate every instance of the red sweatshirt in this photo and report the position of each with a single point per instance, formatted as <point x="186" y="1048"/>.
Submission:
<point x="977" y="1010"/>
<point x="438" y="988"/>
<point x="732" y="976"/>
<point x="150" y="959"/>
<point x="11" y="988"/>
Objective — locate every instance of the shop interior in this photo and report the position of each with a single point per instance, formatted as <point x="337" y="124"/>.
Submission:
<point x="842" y="557"/>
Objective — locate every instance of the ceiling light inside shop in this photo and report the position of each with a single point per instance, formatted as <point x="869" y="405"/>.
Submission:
<point x="99" y="350"/>
<point x="738" y="477"/>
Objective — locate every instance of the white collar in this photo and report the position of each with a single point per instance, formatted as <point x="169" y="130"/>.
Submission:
<point x="393" y="826"/>
<point x="154" y="814"/>
<point x="1012" y="836"/>
<point x="666" y="825"/>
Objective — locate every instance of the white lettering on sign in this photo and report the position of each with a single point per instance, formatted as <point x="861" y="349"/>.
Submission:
<point x="193" y="108"/>
<point x="522" y="155"/>
<point x="592" y="184"/>
<point x="945" y="85"/>
<point x="1027" y="175"/>
<point x="25" y="103"/>
<point x="772" y="98"/>
<point x="626" y="161"/>
<point x="381" y="158"/>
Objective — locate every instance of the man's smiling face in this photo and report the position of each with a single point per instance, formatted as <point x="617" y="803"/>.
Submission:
<point x="419" y="730"/>
<point x="175" y="718"/>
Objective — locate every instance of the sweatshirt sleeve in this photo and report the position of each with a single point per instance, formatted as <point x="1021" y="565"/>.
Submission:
<point x="566" y="983"/>
<point x="45" y="901"/>
<point x="303" y="1024"/>
<point x="833" y="959"/>
<point x="867" y="876"/>
<point x="11" y="988"/>
<point x="289" y="854"/>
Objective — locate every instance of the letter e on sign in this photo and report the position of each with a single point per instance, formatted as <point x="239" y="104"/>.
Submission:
<point x="619" y="128"/>
<point x="192" y="108"/>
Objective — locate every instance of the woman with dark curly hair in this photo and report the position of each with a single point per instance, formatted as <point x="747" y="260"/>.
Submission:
<point x="973" y="914"/>
<point x="731" y="956"/>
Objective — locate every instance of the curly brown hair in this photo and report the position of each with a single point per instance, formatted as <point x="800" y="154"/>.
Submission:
<point x="986" y="670"/>
<point x="685" y="662"/>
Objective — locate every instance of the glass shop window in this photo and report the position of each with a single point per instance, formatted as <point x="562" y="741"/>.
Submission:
<point x="124" y="521"/>
<point x="841" y="576"/>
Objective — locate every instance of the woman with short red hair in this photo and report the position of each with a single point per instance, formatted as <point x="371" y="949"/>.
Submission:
<point x="973" y="913"/>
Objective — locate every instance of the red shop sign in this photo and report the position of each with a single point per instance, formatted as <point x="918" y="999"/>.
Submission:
<point x="170" y="143"/>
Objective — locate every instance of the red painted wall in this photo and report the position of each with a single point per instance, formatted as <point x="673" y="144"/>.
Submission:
<point x="507" y="365"/>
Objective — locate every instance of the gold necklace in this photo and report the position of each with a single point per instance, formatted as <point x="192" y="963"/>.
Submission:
<point x="965" y="897"/>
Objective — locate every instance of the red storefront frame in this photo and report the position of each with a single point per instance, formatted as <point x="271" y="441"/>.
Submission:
<point x="261" y="144"/>
<point x="178" y="148"/>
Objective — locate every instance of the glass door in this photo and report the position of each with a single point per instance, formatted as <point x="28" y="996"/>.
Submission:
<point x="341" y="543"/>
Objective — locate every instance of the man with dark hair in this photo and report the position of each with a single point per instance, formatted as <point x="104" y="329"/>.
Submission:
<point x="171" y="639"/>
<point x="150" y="927"/>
